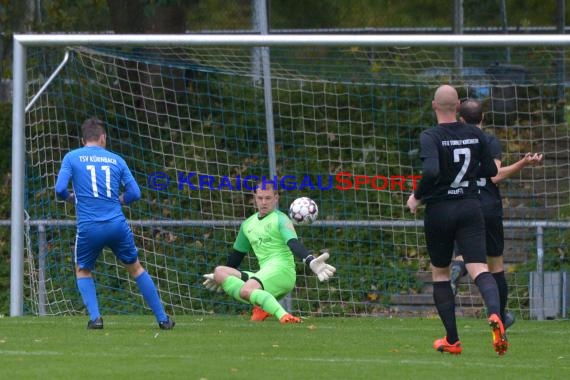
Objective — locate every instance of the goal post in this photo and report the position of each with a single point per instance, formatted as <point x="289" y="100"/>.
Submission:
<point x="347" y="111"/>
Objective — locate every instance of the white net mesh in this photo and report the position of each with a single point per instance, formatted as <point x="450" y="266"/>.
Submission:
<point x="349" y="117"/>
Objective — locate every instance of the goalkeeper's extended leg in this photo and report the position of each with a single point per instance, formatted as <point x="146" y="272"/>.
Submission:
<point x="258" y="314"/>
<point x="232" y="286"/>
<point x="270" y="304"/>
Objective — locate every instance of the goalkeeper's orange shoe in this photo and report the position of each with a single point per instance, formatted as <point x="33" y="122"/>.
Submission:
<point x="442" y="346"/>
<point x="500" y="342"/>
<point x="288" y="318"/>
<point x="259" y="315"/>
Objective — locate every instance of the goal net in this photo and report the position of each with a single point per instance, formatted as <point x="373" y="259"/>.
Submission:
<point x="191" y="124"/>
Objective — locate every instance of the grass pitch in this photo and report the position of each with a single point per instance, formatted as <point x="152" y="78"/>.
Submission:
<point x="232" y="347"/>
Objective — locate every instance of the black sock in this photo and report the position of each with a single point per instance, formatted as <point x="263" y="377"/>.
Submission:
<point x="503" y="291"/>
<point x="445" y="305"/>
<point x="488" y="289"/>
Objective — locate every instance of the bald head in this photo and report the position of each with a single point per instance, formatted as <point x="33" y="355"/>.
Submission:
<point x="445" y="100"/>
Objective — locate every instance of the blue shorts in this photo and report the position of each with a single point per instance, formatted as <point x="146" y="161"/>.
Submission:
<point x="92" y="237"/>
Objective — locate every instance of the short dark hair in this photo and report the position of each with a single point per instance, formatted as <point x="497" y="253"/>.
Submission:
<point x="471" y="111"/>
<point x="265" y="184"/>
<point x="92" y="129"/>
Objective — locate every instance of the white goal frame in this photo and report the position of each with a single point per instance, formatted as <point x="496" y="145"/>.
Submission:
<point x="23" y="41"/>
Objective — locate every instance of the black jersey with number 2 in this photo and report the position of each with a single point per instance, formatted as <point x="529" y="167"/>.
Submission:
<point x="454" y="156"/>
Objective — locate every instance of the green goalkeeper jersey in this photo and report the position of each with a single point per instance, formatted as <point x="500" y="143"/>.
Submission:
<point x="267" y="238"/>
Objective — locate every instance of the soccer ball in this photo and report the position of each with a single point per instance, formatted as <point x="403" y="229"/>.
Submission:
<point x="303" y="210"/>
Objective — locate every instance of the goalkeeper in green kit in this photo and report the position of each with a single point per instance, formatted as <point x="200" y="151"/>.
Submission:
<point x="270" y="235"/>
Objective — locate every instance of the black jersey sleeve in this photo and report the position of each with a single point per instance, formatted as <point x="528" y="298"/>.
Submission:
<point x="488" y="168"/>
<point x="299" y="250"/>
<point x="235" y="258"/>
<point x="494" y="147"/>
<point x="430" y="165"/>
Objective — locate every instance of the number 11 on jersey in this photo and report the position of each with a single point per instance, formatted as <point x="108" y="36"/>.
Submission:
<point x="93" y="172"/>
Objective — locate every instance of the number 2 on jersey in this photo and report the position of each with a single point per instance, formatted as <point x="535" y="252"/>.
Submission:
<point x="457" y="153"/>
<point x="93" y="172"/>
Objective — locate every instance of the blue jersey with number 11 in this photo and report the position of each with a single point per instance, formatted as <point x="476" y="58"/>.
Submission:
<point x="97" y="176"/>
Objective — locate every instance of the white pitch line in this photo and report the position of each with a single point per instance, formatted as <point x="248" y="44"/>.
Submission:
<point x="30" y="353"/>
<point x="433" y="363"/>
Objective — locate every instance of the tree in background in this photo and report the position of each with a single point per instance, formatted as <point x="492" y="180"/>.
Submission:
<point x="158" y="16"/>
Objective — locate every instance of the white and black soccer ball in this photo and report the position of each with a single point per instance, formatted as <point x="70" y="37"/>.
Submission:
<point x="303" y="210"/>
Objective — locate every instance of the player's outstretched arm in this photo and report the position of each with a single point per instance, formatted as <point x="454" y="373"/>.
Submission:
<point x="505" y="172"/>
<point x="320" y="267"/>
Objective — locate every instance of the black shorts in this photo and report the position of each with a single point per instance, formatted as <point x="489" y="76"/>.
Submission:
<point x="495" y="237"/>
<point x="458" y="221"/>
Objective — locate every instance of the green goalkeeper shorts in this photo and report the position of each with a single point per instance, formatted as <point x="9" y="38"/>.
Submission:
<point x="278" y="281"/>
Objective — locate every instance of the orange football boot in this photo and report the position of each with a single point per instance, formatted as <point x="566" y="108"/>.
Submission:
<point x="442" y="346"/>
<point x="259" y="315"/>
<point x="500" y="342"/>
<point x="288" y="318"/>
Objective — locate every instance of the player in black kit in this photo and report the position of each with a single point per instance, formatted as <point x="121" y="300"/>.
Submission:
<point x="471" y="112"/>
<point x="454" y="155"/>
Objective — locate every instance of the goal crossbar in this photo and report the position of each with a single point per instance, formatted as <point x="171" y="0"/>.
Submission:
<point x="462" y="40"/>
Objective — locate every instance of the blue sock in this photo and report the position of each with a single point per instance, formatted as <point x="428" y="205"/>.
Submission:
<point x="150" y="294"/>
<point x="87" y="290"/>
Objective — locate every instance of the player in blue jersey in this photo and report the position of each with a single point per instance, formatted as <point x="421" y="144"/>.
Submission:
<point x="97" y="176"/>
<point x="454" y="155"/>
<point x="471" y="112"/>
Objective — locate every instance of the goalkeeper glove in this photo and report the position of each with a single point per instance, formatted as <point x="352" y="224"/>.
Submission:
<point x="211" y="284"/>
<point x="319" y="266"/>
